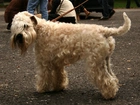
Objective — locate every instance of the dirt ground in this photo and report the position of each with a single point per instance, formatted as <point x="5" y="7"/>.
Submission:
<point x="17" y="73"/>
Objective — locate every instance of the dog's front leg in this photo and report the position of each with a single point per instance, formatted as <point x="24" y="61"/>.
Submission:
<point x="51" y="78"/>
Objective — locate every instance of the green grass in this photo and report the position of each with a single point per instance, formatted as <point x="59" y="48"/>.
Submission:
<point x="122" y="4"/>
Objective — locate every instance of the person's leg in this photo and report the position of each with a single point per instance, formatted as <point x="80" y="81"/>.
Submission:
<point x="43" y="9"/>
<point x="128" y="4"/>
<point x="9" y="18"/>
<point x="107" y="11"/>
<point x="106" y="8"/>
<point x="77" y="10"/>
<point x="111" y="10"/>
<point x="137" y="3"/>
<point x="31" y="6"/>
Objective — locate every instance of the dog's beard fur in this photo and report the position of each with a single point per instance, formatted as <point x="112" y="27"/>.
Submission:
<point x="23" y="38"/>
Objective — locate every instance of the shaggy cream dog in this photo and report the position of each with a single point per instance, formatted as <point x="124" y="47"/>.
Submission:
<point x="58" y="44"/>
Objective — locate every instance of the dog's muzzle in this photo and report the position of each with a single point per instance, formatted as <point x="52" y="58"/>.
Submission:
<point x="19" y="38"/>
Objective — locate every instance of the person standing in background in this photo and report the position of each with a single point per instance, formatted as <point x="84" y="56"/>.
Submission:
<point x="129" y="2"/>
<point x="60" y="7"/>
<point x="32" y="5"/>
<point x="13" y="8"/>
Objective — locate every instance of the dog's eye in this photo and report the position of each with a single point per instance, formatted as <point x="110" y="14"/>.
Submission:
<point x="25" y="26"/>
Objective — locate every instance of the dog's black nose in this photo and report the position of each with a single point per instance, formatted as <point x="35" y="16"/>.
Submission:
<point x="19" y="35"/>
<point x="19" y="38"/>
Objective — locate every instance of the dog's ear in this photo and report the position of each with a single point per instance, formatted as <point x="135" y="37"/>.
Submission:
<point x="33" y="19"/>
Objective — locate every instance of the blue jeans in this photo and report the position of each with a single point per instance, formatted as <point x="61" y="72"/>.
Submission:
<point x="32" y="5"/>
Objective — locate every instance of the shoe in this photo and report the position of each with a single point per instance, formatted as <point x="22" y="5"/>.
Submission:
<point x="104" y="18"/>
<point x="9" y="26"/>
<point x="111" y="13"/>
<point x="87" y="15"/>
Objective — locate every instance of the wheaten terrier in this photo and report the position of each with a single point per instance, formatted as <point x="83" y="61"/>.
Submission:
<point x="58" y="44"/>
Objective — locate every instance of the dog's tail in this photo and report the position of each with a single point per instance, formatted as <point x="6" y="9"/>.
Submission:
<point x="121" y="30"/>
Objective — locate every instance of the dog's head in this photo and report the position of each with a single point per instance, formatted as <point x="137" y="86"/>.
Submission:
<point x="22" y="30"/>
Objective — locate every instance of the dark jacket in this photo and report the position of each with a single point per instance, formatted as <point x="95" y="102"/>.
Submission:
<point x="13" y="8"/>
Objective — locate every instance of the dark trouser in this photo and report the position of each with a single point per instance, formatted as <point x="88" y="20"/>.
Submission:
<point x="137" y="3"/>
<point x="76" y="3"/>
<point x="62" y="19"/>
<point x="129" y="2"/>
<point x="106" y="7"/>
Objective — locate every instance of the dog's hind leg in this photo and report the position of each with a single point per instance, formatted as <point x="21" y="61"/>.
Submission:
<point x="110" y="83"/>
<point x="103" y="77"/>
<point x="51" y="78"/>
<point x="108" y="67"/>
